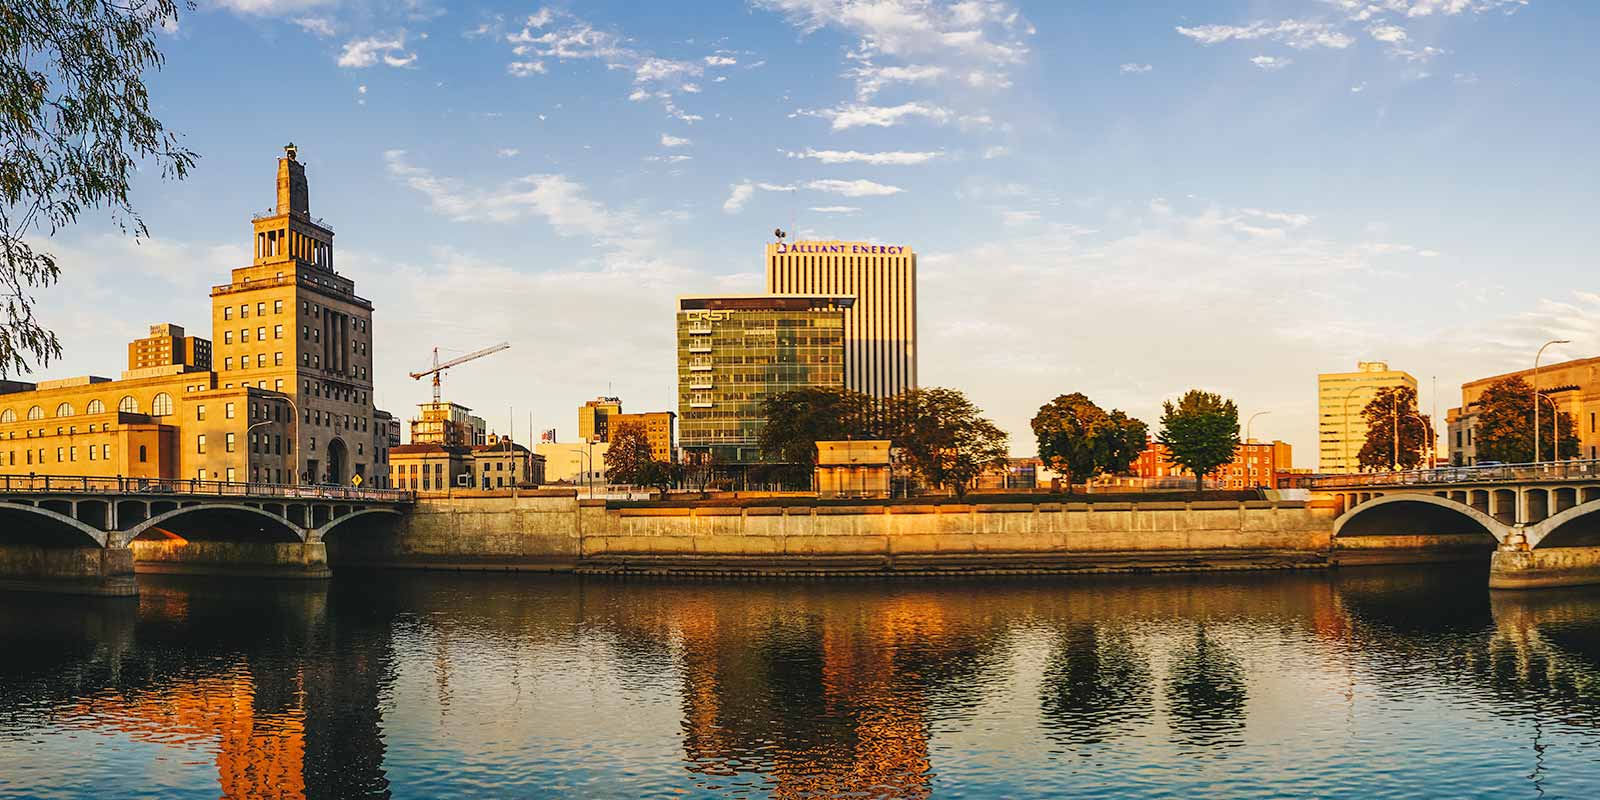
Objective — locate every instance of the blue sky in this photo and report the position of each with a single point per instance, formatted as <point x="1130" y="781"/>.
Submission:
<point x="1125" y="199"/>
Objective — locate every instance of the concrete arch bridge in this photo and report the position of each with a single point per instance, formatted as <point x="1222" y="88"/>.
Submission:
<point x="92" y="534"/>
<point x="1541" y="522"/>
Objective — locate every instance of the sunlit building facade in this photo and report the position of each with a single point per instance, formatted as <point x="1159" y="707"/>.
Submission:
<point x="736" y="351"/>
<point x="1340" y="398"/>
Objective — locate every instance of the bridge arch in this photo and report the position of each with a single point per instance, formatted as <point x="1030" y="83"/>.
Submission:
<point x="367" y="513"/>
<point x="1578" y="526"/>
<point x="49" y="528"/>
<point x="273" y="527"/>
<point x="1416" y="514"/>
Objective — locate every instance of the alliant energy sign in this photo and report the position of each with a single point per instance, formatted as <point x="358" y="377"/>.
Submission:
<point x="841" y="248"/>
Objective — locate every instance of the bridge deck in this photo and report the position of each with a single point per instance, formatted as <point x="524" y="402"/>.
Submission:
<point x="1542" y="472"/>
<point x="158" y="487"/>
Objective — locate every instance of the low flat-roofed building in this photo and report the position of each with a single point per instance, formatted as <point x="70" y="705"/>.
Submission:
<point x="854" y="468"/>
<point x="573" y="462"/>
<point x="504" y="464"/>
<point x="428" y="467"/>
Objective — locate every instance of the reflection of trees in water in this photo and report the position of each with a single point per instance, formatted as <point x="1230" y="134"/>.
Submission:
<point x="1205" y="693"/>
<point x="1096" y="687"/>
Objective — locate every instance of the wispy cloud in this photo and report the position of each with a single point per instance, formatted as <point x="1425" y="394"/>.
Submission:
<point x="855" y="115"/>
<point x="835" y="209"/>
<point x="320" y="26"/>
<point x="1135" y="69"/>
<point x="892" y="157"/>
<point x="1270" y="63"/>
<point x="740" y="194"/>
<point x="1302" y="34"/>
<point x="389" y="49"/>
<point x="668" y="140"/>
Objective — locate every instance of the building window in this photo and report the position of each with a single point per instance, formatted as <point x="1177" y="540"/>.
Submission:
<point x="244" y="311"/>
<point x="277" y="331"/>
<point x="227" y="337"/>
<point x="227" y="312"/>
<point x="200" y="444"/>
<point x="36" y="413"/>
<point x="277" y="307"/>
<point x="143" y="454"/>
<point x="261" y="333"/>
<point x="95" y="407"/>
<point x="261" y="359"/>
<point x="162" y="405"/>
<point x="105" y="452"/>
<point x="64" y="410"/>
<point x="200" y="412"/>
<point x="227" y="442"/>
<point x="227" y="363"/>
<point x="244" y="335"/>
<point x="232" y="473"/>
<point x="261" y="309"/>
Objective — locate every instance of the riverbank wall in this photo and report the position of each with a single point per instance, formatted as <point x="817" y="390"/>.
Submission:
<point x="553" y="531"/>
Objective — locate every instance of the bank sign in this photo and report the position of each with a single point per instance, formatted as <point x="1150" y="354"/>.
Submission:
<point x="842" y="248"/>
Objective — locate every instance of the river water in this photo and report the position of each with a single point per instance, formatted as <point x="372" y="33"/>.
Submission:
<point x="1380" y="682"/>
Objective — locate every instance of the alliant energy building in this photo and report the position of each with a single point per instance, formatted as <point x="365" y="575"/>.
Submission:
<point x="736" y="351"/>
<point x="880" y="329"/>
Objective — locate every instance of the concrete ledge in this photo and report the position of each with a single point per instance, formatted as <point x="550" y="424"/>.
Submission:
<point x="1543" y="568"/>
<point x="244" y="559"/>
<point x="948" y="565"/>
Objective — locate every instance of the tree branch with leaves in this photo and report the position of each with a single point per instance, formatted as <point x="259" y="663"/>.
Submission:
<point x="75" y="125"/>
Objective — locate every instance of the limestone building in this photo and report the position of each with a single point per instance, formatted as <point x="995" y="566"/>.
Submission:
<point x="447" y="424"/>
<point x="1572" y="387"/>
<point x="1340" y="398"/>
<point x="281" y="393"/>
<point x="289" y="323"/>
<point x="880" y="327"/>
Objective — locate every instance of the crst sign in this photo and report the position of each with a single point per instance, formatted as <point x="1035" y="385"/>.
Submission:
<point x="841" y="248"/>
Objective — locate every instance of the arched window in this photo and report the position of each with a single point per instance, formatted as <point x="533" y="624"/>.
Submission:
<point x="8" y="416"/>
<point x="95" y="407"/>
<point x="141" y="454"/>
<point x="64" y="410"/>
<point x="128" y="405"/>
<point x="162" y="405"/>
<point x="36" y="413"/>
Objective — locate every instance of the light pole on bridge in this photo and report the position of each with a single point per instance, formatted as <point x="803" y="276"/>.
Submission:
<point x="1536" y="356"/>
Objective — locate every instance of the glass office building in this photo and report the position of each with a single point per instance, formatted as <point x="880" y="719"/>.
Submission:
<point x="735" y="352"/>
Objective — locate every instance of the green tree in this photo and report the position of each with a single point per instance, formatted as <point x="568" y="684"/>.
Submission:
<point x="76" y="124"/>
<point x="1080" y="440"/>
<point x="1504" y="429"/>
<point x="1201" y="431"/>
<point x="628" y="457"/>
<point x="794" y="421"/>
<point x="1393" y="410"/>
<point x="944" y="438"/>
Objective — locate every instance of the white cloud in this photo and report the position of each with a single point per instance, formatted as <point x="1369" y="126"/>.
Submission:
<point x="559" y="200"/>
<point x="849" y="116"/>
<point x="1017" y="219"/>
<point x="870" y="78"/>
<point x="362" y="89"/>
<point x="855" y="188"/>
<point x="654" y="77"/>
<point x="835" y="209"/>
<point x="720" y="61"/>
<point x="894" y="157"/>
<point x="668" y="140"/>
<point x="363" y="53"/>
<point x="739" y="194"/>
<point x="1387" y="33"/>
<point x="996" y="151"/>
<point x="1135" y="69"/>
<point x="1300" y="34"/>
<point x="670" y="159"/>
<point x="320" y="26"/>
<point x="270" y="8"/>
<point x="1271" y="62"/>
<point x="507" y="152"/>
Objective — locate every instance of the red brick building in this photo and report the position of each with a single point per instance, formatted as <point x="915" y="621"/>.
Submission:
<point x="1254" y="464"/>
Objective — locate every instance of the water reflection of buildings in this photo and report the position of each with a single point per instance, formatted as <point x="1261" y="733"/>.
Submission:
<point x="260" y="740"/>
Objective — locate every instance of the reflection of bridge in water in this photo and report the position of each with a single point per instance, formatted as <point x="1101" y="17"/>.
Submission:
<point x="89" y="534"/>
<point x="1539" y="519"/>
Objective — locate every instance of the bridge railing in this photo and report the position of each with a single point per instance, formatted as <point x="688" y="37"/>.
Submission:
<point x="86" y="484"/>
<point x="1570" y="470"/>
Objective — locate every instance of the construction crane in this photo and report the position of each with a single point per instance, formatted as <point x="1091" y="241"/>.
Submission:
<point x="438" y="369"/>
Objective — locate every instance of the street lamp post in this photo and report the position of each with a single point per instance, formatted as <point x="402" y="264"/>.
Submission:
<point x="1536" y="356"/>
<point x="1249" y="421"/>
<point x="1427" y="432"/>
<point x="1555" y="431"/>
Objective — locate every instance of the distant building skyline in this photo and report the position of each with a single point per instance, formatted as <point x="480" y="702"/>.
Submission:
<point x="1341" y="397"/>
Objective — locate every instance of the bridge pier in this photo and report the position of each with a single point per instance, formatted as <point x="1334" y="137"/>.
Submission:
<point x="298" y="560"/>
<point x="90" y="570"/>
<point x="1512" y="567"/>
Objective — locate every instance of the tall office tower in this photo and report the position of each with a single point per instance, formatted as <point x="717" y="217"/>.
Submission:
<point x="290" y="323"/>
<point x="880" y="330"/>
<point x="1340" y="398"/>
<point x="166" y="346"/>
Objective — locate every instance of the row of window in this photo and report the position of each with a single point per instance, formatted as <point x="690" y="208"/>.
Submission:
<point x="68" y="454"/>
<point x="244" y="310"/>
<point x="161" y="406"/>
